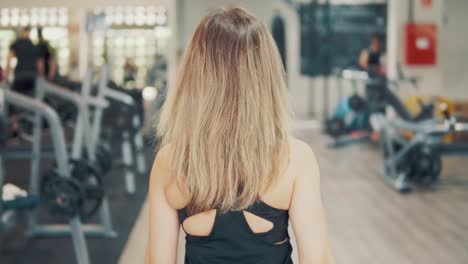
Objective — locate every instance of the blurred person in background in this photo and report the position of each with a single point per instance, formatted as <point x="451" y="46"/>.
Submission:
<point x="157" y="77"/>
<point x="157" y="72"/>
<point x="1" y="73"/>
<point x="48" y="54"/>
<point x="29" y="65"/>
<point x="370" y="59"/>
<point x="130" y="71"/>
<point x="228" y="169"/>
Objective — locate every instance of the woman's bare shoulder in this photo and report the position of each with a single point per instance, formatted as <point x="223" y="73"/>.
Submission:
<point x="303" y="160"/>
<point x="176" y="197"/>
<point x="299" y="149"/>
<point x="280" y="193"/>
<point x="163" y="170"/>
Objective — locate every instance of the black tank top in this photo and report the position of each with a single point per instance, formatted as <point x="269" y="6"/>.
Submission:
<point x="232" y="241"/>
<point x="374" y="59"/>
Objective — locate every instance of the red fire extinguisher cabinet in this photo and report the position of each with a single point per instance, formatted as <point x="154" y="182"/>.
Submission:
<point x="421" y="44"/>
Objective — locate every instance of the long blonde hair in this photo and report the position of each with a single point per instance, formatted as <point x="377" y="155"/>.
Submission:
<point x="225" y="121"/>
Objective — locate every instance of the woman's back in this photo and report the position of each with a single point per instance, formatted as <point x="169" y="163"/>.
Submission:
<point x="258" y="234"/>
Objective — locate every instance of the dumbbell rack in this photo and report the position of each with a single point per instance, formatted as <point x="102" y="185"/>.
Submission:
<point x="42" y="111"/>
<point x="83" y="139"/>
<point x="126" y="147"/>
<point x="86" y="137"/>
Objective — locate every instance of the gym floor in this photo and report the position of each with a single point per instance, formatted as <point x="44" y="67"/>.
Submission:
<point x="368" y="221"/>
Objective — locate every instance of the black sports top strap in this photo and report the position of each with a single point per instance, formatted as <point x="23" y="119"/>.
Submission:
<point x="278" y="217"/>
<point x="232" y="241"/>
<point x="235" y="220"/>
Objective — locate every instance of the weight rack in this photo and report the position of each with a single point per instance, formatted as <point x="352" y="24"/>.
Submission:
<point x="82" y="139"/>
<point x="126" y="147"/>
<point x="44" y="112"/>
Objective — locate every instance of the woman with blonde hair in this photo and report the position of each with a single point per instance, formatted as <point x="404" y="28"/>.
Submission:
<point x="228" y="170"/>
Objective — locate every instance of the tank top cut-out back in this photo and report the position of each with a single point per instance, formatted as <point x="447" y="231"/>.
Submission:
<point x="231" y="239"/>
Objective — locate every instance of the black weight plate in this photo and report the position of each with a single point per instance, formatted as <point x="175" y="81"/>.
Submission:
<point x="90" y="180"/>
<point x="47" y="182"/>
<point x="84" y="171"/>
<point x="426" y="166"/>
<point x="120" y="117"/>
<point x="67" y="112"/>
<point x="64" y="197"/>
<point x="103" y="159"/>
<point x="93" y="197"/>
<point x="3" y="129"/>
<point x="356" y="103"/>
<point x="335" y="127"/>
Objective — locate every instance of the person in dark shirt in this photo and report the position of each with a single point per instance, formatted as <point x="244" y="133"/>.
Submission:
<point x="130" y="71"/>
<point x="47" y="53"/>
<point x="370" y="59"/>
<point x="29" y="65"/>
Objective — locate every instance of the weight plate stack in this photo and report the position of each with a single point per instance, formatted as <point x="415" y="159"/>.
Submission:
<point x="67" y="112"/>
<point x="4" y="130"/>
<point x="104" y="159"/>
<point x="426" y="166"/>
<point x="79" y="195"/>
<point x="62" y="195"/>
<point x="335" y="127"/>
<point x="90" y="179"/>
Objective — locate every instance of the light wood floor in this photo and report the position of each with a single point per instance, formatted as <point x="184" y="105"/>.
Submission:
<point x="368" y="221"/>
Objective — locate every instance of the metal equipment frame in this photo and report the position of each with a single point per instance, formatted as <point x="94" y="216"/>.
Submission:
<point x="426" y="133"/>
<point x="128" y="158"/>
<point x="44" y="112"/>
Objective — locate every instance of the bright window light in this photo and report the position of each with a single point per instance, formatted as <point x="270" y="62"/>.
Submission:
<point x="151" y="19"/>
<point x="34" y="19"/>
<point x="149" y="93"/>
<point x="15" y="20"/>
<point x="5" y="11"/>
<point x="15" y="12"/>
<point x="118" y="19"/>
<point x="24" y="20"/>
<point x="4" y="21"/>
<point x="161" y="19"/>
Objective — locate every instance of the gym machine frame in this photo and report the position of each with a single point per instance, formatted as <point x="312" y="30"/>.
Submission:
<point x="7" y="217"/>
<point x="379" y="95"/>
<point x="127" y="157"/>
<point x="82" y="139"/>
<point x="44" y="112"/>
<point x="427" y="133"/>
